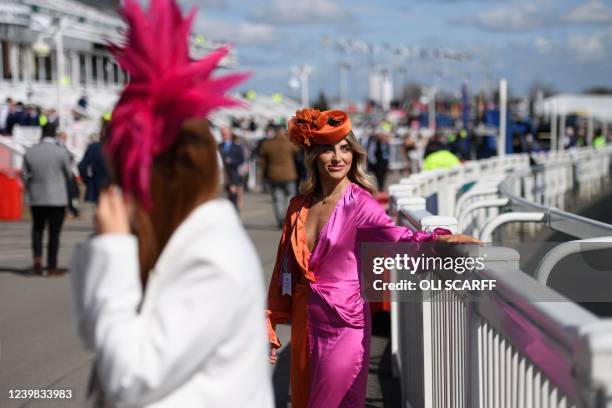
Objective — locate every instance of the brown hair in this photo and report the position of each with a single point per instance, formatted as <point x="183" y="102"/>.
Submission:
<point x="357" y="174"/>
<point x="183" y="177"/>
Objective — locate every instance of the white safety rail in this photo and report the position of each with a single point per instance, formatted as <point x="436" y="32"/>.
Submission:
<point x="11" y="153"/>
<point x="521" y="344"/>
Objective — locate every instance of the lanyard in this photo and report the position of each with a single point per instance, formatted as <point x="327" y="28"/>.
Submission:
<point x="286" y="274"/>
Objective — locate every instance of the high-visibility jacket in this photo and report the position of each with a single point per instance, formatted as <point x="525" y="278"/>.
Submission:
<point x="442" y="159"/>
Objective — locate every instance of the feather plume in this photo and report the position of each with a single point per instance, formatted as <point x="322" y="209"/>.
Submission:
<point x="165" y="88"/>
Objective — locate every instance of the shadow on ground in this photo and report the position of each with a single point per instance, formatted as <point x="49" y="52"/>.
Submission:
<point x="25" y="272"/>
<point x="17" y="271"/>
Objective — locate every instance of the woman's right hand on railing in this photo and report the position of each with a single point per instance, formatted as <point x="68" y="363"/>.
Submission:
<point x="458" y="239"/>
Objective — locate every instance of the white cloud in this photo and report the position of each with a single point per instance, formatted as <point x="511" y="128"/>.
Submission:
<point x="543" y="45"/>
<point x="592" y="12"/>
<point x="241" y="32"/>
<point x="592" y="47"/>
<point x="288" y="12"/>
<point x="520" y="16"/>
<point x="514" y="17"/>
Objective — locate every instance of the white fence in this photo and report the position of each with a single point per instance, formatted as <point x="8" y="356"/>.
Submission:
<point x="508" y="348"/>
<point x="11" y="153"/>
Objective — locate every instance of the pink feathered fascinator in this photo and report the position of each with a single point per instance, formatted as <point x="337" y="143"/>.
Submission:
<point x="165" y="88"/>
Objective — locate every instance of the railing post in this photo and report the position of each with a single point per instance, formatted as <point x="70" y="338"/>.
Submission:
<point x="594" y="364"/>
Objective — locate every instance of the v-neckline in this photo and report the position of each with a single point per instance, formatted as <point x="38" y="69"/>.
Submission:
<point x="325" y="226"/>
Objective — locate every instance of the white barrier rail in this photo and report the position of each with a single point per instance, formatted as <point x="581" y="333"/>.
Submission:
<point x="508" y="348"/>
<point x="13" y="153"/>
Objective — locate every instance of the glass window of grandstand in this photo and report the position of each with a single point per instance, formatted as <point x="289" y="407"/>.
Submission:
<point x="6" y="60"/>
<point x="41" y="68"/>
<point x="20" y="63"/>
<point x="94" y="69"/>
<point x="108" y="66"/>
<point x="48" y="69"/>
<point x="82" y="69"/>
<point x="116" y="77"/>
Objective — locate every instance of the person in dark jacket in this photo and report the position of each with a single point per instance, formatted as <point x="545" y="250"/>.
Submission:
<point x="30" y="117"/>
<point x="378" y="157"/>
<point x="15" y="117"/>
<point x="277" y="160"/>
<point x="93" y="168"/>
<point x="232" y="155"/>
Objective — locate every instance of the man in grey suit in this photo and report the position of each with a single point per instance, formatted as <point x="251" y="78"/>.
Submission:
<point x="46" y="172"/>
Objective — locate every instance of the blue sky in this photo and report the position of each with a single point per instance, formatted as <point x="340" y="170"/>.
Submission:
<point x="564" y="43"/>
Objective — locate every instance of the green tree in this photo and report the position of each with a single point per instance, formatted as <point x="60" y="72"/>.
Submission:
<point x="598" y="90"/>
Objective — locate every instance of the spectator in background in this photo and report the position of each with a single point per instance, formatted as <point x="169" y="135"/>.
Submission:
<point x="82" y="102"/>
<point x="52" y="117"/>
<point x="4" y="114"/>
<point x="30" y="117"/>
<point x="46" y="172"/>
<point x="252" y="125"/>
<point x="93" y="167"/>
<point x="300" y="166"/>
<point x="599" y="140"/>
<point x="277" y="160"/>
<point x="378" y="157"/>
<point x="532" y="145"/>
<point x="256" y="153"/>
<point x="243" y="169"/>
<point x="232" y="155"/>
<point x="73" y="186"/>
<point x="518" y="143"/>
<point x="409" y="146"/>
<point x="15" y="117"/>
<point x="437" y="155"/>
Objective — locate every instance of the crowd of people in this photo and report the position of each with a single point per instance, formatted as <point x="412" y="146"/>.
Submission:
<point x="19" y="114"/>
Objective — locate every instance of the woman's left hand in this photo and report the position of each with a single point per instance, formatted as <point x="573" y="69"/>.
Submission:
<point x="458" y="239"/>
<point x="112" y="212"/>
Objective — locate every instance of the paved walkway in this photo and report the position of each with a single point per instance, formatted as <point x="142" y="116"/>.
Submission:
<point x="38" y="344"/>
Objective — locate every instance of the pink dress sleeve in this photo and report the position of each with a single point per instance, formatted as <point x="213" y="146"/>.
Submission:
<point x="374" y="225"/>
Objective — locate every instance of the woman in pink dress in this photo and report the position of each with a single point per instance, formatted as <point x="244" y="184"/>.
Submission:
<point x="316" y="283"/>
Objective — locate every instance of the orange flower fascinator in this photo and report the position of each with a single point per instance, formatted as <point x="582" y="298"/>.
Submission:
<point x="310" y="126"/>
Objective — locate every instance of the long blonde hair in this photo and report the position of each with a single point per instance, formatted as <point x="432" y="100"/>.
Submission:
<point x="357" y="174"/>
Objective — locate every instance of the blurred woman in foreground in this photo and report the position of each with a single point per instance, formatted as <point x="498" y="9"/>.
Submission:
<point x="169" y="294"/>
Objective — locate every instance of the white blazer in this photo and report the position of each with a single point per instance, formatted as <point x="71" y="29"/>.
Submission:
<point x="197" y="337"/>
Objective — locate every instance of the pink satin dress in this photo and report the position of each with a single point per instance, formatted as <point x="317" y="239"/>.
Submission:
<point x="338" y="322"/>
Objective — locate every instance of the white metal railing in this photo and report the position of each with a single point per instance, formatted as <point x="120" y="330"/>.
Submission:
<point x="522" y="344"/>
<point x="545" y="184"/>
<point x="14" y="152"/>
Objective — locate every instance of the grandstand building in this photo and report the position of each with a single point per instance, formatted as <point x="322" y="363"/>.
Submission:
<point x="53" y="51"/>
